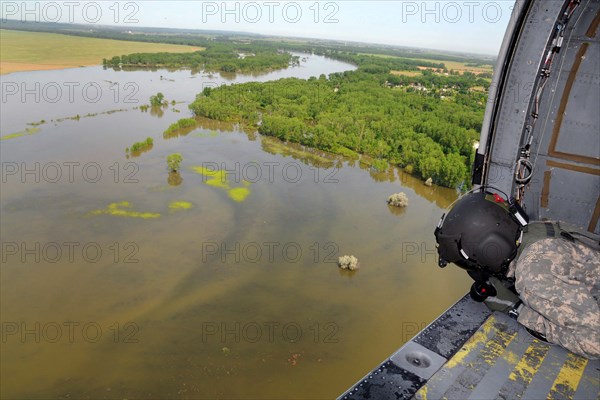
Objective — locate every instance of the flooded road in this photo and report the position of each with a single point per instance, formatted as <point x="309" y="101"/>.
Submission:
<point x="118" y="281"/>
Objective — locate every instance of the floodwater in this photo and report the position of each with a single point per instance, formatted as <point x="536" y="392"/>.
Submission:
<point x="121" y="281"/>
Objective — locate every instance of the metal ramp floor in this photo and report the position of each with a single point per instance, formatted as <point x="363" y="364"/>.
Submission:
<point x="496" y="359"/>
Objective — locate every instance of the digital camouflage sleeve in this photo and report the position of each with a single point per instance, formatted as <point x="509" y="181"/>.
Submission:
<point x="559" y="283"/>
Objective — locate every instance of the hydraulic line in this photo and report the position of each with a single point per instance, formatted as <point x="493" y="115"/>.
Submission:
<point x="524" y="168"/>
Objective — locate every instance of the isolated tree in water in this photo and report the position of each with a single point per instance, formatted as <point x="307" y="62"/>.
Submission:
<point x="174" y="161"/>
<point x="157" y="99"/>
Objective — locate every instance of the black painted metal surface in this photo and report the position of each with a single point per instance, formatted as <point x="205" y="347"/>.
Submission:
<point x="443" y="337"/>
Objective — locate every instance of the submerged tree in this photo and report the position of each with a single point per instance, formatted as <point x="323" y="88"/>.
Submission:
<point x="348" y="262"/>
<point x="141" y="146"/>
<point x="157" y="99"/>
<point x="174" y="162"/>
<point x="398" y="200"/>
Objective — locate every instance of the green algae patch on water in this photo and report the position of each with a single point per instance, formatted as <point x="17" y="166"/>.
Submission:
<point x="218" y="178"/>
<point x="117" y="209"/>
<point x="238" y="194"/>
<point x="215" y="178"/>
<point x="180" y="205"/>
<point x="25" y="132"/>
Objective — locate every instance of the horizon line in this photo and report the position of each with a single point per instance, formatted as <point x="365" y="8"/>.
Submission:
<point x="224" y="32"/>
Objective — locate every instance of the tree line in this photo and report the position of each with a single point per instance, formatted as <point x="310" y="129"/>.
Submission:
<point x="356" y="112"/>
<point x="224" y="57"/>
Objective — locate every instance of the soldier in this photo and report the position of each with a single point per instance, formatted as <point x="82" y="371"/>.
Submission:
<point x="558" y="280"/>
<point x="555" y="270"/>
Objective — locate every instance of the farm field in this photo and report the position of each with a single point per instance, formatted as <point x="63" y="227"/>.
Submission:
<point x="33" y="51"/>
<point x="461" y="67"/>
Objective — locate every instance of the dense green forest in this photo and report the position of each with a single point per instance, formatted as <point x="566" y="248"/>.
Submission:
<point x="427" y="124"/>
<point x="372" y="64"/>
<point x="225" y="57"/>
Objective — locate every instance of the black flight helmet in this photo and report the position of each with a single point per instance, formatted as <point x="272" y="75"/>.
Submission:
<point x="479" y="234"/>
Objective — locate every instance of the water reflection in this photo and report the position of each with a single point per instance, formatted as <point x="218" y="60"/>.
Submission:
<point x="138" y="153"/>
<point x="397" y="210"/>
<point x="174" y="179"/>
<point x="440" y="196"/>
<point x="178" y="132"/>
<point x="158" y="111"/>
<point x="313" y="157"/>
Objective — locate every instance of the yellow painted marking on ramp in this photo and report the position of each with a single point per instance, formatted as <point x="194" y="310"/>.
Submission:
<point x="529" y="363"/>
<point x="496" y="346"/>
<point x="488" y="340"/>
<point x="568" y="378"/>
<point x="479" y="337"/>
<point x="421" y="393"/>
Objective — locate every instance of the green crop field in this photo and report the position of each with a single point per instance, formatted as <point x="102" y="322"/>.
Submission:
<point x="29" y="51"/>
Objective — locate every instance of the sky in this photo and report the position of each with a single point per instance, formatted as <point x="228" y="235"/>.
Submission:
<point x="464" y="26"/>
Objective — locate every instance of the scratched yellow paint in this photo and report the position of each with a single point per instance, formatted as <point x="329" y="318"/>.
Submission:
<point x="510" y="357"/>
<point x="494" y="343"/>
<point x="529" y="363"/>
<point x="479" y="337"/>
<point x="421" y="393"/>
<point x="496" y="346"/>
<point x="568" y="378"/>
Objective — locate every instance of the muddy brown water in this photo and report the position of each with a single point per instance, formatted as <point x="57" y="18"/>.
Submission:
<point x="120" y="282"/>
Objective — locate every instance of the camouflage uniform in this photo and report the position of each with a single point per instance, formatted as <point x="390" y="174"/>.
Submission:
<point x="558" y="281"/>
